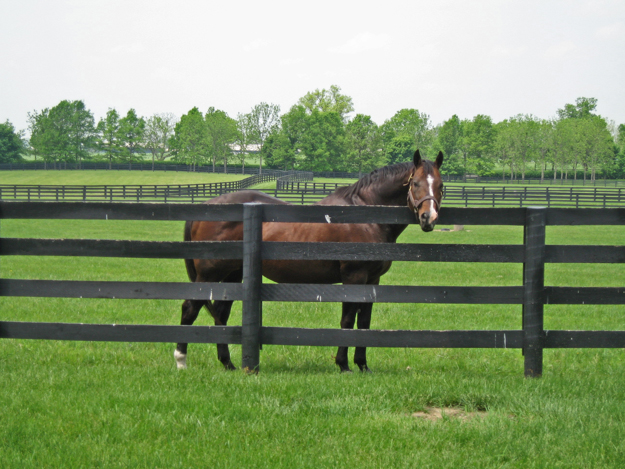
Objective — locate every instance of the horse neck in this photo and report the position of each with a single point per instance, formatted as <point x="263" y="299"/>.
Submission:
<point x="392" y="193"/>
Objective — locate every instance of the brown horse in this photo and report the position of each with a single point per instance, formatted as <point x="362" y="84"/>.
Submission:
<point x="417" y="184"/>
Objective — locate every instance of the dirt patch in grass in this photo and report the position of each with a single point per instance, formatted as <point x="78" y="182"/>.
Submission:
<point x="434" y="414"/>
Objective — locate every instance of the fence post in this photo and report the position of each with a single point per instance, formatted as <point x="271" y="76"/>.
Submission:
<point x="252" y="280"/>
<point x="533" y="290"/>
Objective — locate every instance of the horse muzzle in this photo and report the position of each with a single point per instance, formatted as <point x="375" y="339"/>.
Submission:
<point x="428" y="216"/>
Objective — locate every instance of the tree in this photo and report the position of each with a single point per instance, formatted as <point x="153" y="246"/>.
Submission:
<point x="82" y="132"/>
<point x="477" y="144"/>
<point x="159" y="129"/>
<point x="364" y="144"/>
<point x="11" y="143"/>
<point x="221" y="131"/>
<point x="582" y="109"/>
<point x="523" y="131"/>
<point x="327" y="101"/>
<point x="264" y="119"/>
<point x="278" y="151"/>
<point x="323" y="141"/>
<point x="503" y="146"/>
<point x="109" y="135"/>
<point x="243" y="137"/>
<point x="449" y="141"/>
<point x="63" y="133"/>
<point x="403" y="133"/>
<point x="190" y="141"/>
<point x="131" y="131"/>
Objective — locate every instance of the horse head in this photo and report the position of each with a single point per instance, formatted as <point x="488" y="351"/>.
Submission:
<point x="425" y="190"/>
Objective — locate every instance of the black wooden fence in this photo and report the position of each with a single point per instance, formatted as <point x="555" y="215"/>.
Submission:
<point x="574" y="197"/>
<point x="533" y="294"/>
<point x="143" y="192"/>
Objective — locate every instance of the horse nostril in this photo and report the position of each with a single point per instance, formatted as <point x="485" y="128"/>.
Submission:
<point x="425" y="216"/>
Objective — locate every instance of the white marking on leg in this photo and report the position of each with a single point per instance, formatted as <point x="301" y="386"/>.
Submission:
<point x="181" y="359"/>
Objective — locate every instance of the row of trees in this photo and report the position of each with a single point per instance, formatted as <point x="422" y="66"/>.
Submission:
<point x="318" y="133"/>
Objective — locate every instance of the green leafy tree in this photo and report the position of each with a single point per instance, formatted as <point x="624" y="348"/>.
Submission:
<point x="449" y="141"/>
<point x="82" y="134"/>
<point x="582" y="109"/>
<point x="11" y="143"/>
<point x="131" y="131"/>
<point x="264" y="120"/>
<point x="190" y="141"/>
<point x="503" y="146"/>
<point x="407" y="125"/>
<point x="222" y="132"/>
<point x="477" y="144"/>
<point x="364" y="144"/>
<point x="159" y="129"/>
<point x="243" y="137"/>
<point x="278" y="152"/>
<point x="331" y="100"/>
<point x="323" y="142"/>
<point x="109" y="135"/>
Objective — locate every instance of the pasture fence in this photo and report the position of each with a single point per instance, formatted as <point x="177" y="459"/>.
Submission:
<point x="142" y="192"/>
<point x="296" y="187"/>
<point x="532" y="293"/>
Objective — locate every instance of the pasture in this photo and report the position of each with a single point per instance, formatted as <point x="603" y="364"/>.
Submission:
<point x="110" y="404"/>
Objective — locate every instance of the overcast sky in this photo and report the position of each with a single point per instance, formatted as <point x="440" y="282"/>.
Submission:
<point x="499" y="58"/>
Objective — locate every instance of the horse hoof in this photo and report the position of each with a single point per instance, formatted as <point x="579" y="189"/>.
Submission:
<point x="229" y="366"/>
<point x="346" y="370"/>
<point x="365" y="369"/>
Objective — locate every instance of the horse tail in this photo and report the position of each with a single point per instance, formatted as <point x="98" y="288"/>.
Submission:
<point x="191" y="272"/>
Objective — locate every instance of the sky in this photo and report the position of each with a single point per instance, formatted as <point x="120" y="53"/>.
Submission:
<point x="442" y="57"/>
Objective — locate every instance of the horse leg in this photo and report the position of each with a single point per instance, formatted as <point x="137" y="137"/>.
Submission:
<point x="221" y="312"/>
<point x="347" y="322"/>
<point x="190" y="310"/>
<point x="363" y="322"/>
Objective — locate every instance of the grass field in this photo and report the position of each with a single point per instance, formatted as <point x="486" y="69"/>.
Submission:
<point x="113" y="177"/>
<point x="77" y="404"/>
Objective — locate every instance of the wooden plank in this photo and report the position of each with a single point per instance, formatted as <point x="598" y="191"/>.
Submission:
<point x="584" y="296"/>
<point x="390" y="215"/>
<point x="116" y="248"/>
<point x="252" y="280"/>
<point x="385" y="338"/>
<point x="121" y="332"/>
<point x="394" y="252"/>
<point x="585" y="254"/>
<point x="586" y="216"/>
<point x="120" y="211"/>
<point x="533" y="290"/>
<point x="584" y="339"/>
<point x="121" y="290"/>
<point x="391" y="294"/>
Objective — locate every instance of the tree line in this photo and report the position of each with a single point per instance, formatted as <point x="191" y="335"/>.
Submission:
<point x="320" y="133"/>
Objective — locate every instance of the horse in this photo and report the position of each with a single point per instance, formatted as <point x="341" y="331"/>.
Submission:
<point x="417" y="184"/>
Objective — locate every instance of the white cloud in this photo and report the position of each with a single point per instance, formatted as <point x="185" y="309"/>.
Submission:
<point x="503" y="52"/>
<point x="256" y="44"/>
<point x="610" y="31"/>
<point x="363" y="42"/>
<point x="560" y="50"/>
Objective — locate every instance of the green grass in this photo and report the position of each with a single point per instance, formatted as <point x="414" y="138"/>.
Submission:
<point x="78" y="404"/>
<point x="113" y="177"/>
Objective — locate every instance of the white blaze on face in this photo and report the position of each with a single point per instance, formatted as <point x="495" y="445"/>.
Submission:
<point x="433" y="213"/>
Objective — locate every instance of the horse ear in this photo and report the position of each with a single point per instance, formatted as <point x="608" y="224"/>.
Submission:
<point x="417" y="158"/>
<point x="439" y="159"/>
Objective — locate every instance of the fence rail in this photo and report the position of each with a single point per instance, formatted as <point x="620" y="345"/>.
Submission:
<point x="532" y="294"/>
